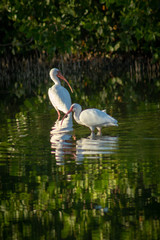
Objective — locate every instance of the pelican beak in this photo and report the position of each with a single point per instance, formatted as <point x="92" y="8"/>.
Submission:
<point x="70" y="110"/>
<point x="59" y="74"/>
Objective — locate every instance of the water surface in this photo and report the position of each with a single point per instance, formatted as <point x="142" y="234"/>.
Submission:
<point x="62" y="182"/>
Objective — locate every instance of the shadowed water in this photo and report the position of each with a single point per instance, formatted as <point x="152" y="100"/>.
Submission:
<point x="62" y="182"/>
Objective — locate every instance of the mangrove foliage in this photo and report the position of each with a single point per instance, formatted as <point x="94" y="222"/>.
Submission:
<point x="80" y="28"/>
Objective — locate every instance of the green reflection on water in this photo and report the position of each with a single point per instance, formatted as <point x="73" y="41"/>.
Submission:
<point x="107" y="187"/>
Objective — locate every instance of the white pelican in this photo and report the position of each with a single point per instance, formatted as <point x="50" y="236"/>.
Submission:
<point x="58" y="95"/>
<point x="92" y="118"/>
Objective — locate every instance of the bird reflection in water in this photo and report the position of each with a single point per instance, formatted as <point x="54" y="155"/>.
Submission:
<point x="61" y="139"/>
<point x="65" y="146"/>
<point x="95" y="145"/>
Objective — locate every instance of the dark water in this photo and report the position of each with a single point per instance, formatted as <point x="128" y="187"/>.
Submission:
<point x="64" y="183"/>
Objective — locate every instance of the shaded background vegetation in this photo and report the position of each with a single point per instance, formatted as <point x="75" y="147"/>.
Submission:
<point x="80" y="27"/>
<point x="120" y="38"/>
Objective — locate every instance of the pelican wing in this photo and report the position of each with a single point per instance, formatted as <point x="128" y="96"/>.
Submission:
<point x="60" y="98"/>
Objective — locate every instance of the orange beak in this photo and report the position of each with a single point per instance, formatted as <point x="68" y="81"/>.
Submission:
<point x="70" y="110"/>
<point x="59" y="74"/>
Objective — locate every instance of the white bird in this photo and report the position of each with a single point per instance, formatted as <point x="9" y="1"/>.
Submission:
<point x="58" y="95"/>
<point x="92" y="118"/>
